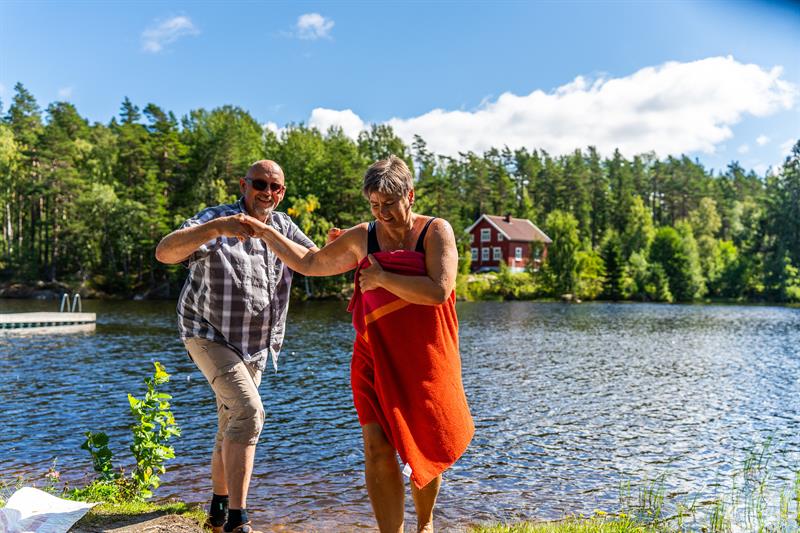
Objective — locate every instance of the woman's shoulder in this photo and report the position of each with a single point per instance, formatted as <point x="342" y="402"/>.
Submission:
<point x="437" y="224"/>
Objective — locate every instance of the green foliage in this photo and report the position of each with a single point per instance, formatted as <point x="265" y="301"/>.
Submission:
<point x="563" y="257"/>
<point x="154" y="426"/>
<point x="97" y="446"/>
<point x="87" y="203"/>
<point x="591" y="274"/>
<point x="503" y="285"/>
<point x="611" y="253"/>
<point x="676" y="254"/>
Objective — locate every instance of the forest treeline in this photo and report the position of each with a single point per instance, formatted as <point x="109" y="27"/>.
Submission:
<point x="87" y="203"/>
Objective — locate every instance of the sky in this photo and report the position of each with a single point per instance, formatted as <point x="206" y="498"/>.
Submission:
<point x="717" y="81"/>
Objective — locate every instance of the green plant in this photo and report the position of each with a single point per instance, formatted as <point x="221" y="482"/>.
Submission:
<point x="97" y="446"/>
<point x="154" y="426"/>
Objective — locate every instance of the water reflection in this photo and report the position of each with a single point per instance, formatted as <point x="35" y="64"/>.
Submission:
<point x="569" y="401"/>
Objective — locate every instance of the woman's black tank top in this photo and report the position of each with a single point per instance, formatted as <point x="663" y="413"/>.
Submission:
<point x="372" y="238"/>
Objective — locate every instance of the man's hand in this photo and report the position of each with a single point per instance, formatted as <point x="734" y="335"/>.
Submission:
<point x="255" y="227"/>
<point x="371" y="277"/>
<point x="333" y="234"/>
<point x="233" y="226"/>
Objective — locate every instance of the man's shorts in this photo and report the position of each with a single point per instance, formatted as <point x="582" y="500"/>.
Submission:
<point x="240" y="413"/>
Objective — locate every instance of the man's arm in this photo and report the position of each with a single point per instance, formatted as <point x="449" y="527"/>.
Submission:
<point x="180" y="244"/>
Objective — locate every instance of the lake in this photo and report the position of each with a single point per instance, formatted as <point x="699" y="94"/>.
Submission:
<point x="570" y="402"/>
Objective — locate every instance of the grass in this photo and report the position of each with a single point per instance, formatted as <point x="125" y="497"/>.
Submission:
<point x="132" y="512"/>
<point x="755" y="501"/>
<point x="595" y="524"/>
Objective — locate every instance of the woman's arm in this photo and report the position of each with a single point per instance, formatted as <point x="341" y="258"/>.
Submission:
<point x="441" y="262"/>
<point x="336" y="257"/>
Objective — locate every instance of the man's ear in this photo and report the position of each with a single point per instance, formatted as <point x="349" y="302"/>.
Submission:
<point x="242" y="185"/>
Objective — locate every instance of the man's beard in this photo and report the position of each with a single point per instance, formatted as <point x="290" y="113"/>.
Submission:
<point x="261" y="211"/>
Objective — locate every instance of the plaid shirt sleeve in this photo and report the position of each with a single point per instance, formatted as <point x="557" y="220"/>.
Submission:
<point x="206" y="215"/>
<point x="295" y="234"/>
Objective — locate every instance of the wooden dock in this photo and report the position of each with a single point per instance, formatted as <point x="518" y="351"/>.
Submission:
<point x="47" y="322"/>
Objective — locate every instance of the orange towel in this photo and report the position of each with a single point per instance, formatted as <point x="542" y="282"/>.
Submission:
<point x="406" y="372"/>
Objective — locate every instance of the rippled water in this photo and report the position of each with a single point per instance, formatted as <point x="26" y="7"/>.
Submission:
<point x="569" y="401"/>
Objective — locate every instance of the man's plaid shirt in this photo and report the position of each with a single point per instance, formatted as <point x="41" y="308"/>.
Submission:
<point x="237" y="293"/>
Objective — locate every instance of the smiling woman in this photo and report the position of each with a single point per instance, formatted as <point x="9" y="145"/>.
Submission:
<point x="405" y="278"/>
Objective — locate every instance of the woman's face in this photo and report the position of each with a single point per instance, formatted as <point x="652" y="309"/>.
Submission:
<point x="391" y="210"/>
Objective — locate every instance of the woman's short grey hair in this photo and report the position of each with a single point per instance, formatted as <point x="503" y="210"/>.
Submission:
<point x="389" y="176"/>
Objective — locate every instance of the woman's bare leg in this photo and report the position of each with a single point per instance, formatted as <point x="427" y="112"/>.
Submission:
<point x="384" y="480"/>
<point x="424" y="500"/>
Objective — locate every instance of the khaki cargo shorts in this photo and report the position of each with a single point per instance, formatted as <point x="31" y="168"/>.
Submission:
<point x="240" y="413"/>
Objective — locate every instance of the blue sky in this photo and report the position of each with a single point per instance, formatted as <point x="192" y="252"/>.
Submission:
<point x="719" y="81"/>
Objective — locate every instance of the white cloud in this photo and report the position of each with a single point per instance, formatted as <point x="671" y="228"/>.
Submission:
<point x="314" y="26"/>
<point x="761" y="169"/>
<point x="786" y="146"/>
<point x="761" y="140"/>
<point x="743" y="149"/>
<point x="672" y="108"/>
<point x="2" y="90"/>
<point x="271" y="126"/>
<point x="350" y="123"/>
<point x="162" y="33"/>
<point x="64" y="93"/>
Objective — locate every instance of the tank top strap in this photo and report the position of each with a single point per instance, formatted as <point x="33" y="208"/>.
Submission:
<point x="372" y="239"/>
<point x="421" y="239"/>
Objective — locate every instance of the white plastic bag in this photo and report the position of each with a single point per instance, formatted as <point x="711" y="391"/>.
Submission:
<point x="31" y="510"/>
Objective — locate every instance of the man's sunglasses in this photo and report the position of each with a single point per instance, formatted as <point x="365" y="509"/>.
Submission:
<point x="261" y="185"/>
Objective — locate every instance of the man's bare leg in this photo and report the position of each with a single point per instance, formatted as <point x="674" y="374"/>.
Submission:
<point x="384" y="480"/>
<point x="218" y="483"/>
<point x="238" y="465"/>
<point x="424" y="500"/>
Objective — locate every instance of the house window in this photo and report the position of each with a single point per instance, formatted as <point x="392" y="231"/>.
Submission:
<point x="499" y="236"/>
<point x="474" y="254"/>
<point x="484" y="254"/>
<point x="471" y="238"/>
<point x="518" y="253"/>
<point x="486" y="235"/>
<point x="537" y="253"/>
<point x="497" y="255"/>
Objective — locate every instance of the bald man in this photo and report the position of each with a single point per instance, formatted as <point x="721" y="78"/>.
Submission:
<point x="231" y="317"/>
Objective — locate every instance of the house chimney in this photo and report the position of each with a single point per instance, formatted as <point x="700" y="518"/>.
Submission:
<point x="507" y="218"/>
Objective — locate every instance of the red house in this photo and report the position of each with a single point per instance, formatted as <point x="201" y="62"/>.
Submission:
<point x="517" y="241"/>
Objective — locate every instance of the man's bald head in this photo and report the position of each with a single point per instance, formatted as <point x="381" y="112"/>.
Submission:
<point x="264" y="169"/>
<point x="263" y="188"/>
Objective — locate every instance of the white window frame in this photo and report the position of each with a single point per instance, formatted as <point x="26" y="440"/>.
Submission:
<point x="497" y="254"/>
<point x="471" y="238"/>
<point x="474" y="255"/>
<point x="485" y="254"/>
<point x="518" y="253"/>
<point x="486" y="234"/>
<point x="499" y="236"/>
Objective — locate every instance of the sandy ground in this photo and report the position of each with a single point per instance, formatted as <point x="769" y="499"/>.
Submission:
<point x="147" y="523"/>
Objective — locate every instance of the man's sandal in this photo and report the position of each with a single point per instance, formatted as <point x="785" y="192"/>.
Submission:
<point x="244" y="528"/>
<point x="212" y="527"/>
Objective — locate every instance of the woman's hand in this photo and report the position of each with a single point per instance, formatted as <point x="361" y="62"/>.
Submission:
<point x="333" y="234"/>
<point x="371" y="277"/>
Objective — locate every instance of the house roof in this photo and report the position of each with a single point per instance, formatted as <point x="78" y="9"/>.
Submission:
<point x="516" y="229"/>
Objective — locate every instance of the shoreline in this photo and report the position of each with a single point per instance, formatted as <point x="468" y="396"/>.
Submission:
<point x="52" y="291"/>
